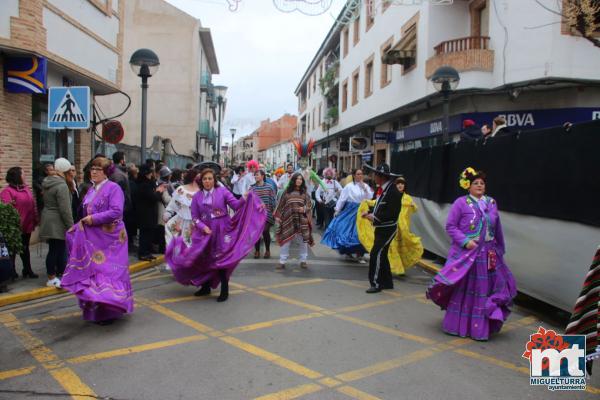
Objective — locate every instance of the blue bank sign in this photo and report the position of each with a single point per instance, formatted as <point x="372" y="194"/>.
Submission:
<point x="520" y="120"/>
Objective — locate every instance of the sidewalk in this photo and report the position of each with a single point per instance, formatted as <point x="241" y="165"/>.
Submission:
<point x="28" y="289"/>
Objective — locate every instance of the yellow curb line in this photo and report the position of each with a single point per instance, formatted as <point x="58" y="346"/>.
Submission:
<point x="428" y="266"/>
<point x="49" y="291"/>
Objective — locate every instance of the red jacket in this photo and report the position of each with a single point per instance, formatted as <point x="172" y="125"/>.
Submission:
<point x="22" y="200"/>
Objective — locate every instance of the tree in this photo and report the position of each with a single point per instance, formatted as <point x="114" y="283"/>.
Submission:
<point x="581" y="16"/>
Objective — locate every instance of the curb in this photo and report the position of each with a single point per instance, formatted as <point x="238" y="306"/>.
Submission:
<point x="50" y="291"/>
<point x="429" y="266"/>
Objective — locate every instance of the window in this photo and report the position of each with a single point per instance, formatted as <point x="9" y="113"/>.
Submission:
<point x="346" y="40"/>
<point x="356" y="29"/>
<point x="370" y="6"/>
<point x="345" y="95"/>
<point x="320" y="119"/>
<point x="369" y="76"/>
<point x="355" y="77"/>
<point x="386" y="69"/>
<point x="408" y="45"/>
<point x="313" y="119"/>
<point x="308" y="122"/>
<point x="314" y="82"/>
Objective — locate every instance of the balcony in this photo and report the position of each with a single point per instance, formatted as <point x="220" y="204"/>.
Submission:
<point x="464" y="54"/>
<point x="205" y="81"/>
<point x="204" y="128"/>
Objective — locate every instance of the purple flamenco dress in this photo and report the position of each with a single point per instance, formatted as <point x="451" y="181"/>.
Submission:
<point x="98" y="268"/>
<point x="229" y="242"/>
<point x="475" y="287"/>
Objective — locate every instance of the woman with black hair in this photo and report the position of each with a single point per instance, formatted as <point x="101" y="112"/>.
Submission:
<point x="18" y="195"/>
<point x="293" y="215"/>
<point x="219" y="242"/>
<point x="475" y="287"/>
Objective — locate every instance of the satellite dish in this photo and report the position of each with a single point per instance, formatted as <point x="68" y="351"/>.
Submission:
<point x="112" y="132"/>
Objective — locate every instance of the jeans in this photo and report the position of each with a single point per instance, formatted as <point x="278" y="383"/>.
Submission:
<point x="25" y="256"/>
<point x="56" y="259"/>
<point x="285" y="250"/>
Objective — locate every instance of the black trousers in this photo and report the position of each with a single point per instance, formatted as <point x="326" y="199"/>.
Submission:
<point x="56" y="259"/>
<point x="380" y="275"/>
<point x="327" y="215"/>
<point x="145" y="248"/>
<point x="266" y="237"/>
<point x="25" y="256"/>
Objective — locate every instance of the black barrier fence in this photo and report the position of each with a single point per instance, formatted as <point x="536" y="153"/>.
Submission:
<point x="549" y="173"/>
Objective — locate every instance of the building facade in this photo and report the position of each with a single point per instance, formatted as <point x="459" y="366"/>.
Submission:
<point x="187" y="127"/>
<point x="57" y="43"/>
<point x="372" y="74"/>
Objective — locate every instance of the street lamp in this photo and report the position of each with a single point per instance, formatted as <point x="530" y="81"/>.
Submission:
<point x="232" y="130"/>
<point x="220" y="92"/>
<point x="445" y="79"/>
<point x="144" y="63"/>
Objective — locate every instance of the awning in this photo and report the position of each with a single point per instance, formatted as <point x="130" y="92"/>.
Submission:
<point x="404" y="50"/>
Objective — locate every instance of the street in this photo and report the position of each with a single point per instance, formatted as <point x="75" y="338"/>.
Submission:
<point x="307" y="334"/>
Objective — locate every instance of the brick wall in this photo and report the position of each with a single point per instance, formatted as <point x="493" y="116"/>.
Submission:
<point x="467" y="60"/>
<point x="277" y="131"/>
<point x="27" y="31"/>
<point x="15" y="132"/>
<point x="83" y="151"/>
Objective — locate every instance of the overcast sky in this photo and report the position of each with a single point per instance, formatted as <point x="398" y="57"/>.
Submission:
<point x="262" y="54"/>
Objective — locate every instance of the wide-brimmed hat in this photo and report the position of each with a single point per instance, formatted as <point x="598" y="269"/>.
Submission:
<point x="209" y="164"/>
<point x="382" y="169"/>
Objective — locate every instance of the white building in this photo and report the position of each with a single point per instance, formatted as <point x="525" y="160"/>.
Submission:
<point x="279" y="154"/>
<point x="182" y="117"/>
<point x="512" y="56"/>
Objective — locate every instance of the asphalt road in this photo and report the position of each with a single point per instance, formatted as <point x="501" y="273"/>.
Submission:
<point x="306" y="334"/>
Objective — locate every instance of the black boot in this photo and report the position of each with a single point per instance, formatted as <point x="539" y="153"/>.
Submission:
<point x="30" y="274"/>
<point x="588" y="367"/>
<point x="204" y="290"/>
<point x="224" y="286"/>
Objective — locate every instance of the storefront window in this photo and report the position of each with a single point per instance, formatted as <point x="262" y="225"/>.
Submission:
<point x="48" y="144"/>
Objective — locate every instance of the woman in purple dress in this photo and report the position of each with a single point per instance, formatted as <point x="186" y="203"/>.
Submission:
<point x="475" y="287"/>
<point x="98" y="268"/>
<point x="218" y="242"/>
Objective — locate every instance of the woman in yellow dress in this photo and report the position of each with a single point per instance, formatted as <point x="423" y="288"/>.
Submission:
<point x="406" y="249"/>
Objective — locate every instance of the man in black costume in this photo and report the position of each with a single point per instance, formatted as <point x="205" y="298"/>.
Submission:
<point x="384" y="217"/>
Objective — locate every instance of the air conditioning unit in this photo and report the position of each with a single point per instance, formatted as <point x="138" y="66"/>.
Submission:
<point x="359" y="143"/>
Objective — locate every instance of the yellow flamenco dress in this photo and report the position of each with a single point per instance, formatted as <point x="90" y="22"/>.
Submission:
<point x="406" y="248"/>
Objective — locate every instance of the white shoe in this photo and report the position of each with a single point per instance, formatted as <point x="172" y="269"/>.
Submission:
<point x="362" y="261"/>
<point x="54" y="282"/>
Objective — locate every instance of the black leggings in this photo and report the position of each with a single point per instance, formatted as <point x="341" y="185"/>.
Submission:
<point x="25" y="256"/>
<point x="56" y="258"/>
<point x="145" y="247"/>
<point x="266" y="237"/>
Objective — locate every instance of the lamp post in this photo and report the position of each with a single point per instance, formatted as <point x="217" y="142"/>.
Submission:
<point x="144" y="63"/>
<point x="232" y="130"/>
<point x="445" y="79"/>
<point x="220" y="92"/>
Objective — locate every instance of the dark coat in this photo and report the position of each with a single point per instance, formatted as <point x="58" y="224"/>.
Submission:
<point x="388" y="206"/>
<point x="120" y="178"/>
<point x="146" y="203"/>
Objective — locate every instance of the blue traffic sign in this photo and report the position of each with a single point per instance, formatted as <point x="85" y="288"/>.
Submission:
<point x="69" y="107"/>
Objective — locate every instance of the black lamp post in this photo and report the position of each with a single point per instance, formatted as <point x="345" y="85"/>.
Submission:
<point x="445" y="79"/>
<point x="220" y="92"/>
<point x="144" y="63"/>
<point x="232" y="130"/>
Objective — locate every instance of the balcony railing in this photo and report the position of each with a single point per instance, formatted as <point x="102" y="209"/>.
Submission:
<point x="462" y="44"/>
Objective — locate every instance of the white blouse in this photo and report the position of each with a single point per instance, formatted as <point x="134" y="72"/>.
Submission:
<point x="354" y="193"/>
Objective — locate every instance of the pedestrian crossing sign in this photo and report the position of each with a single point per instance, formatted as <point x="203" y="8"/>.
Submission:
<point x="69" y="107"/>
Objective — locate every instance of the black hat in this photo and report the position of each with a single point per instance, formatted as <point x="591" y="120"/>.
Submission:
<point x="209" y="164"/>
<point x="382" y="169"/>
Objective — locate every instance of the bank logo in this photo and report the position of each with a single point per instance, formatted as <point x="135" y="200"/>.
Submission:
<point x="555" y="360"/>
